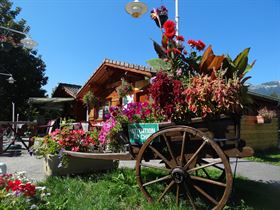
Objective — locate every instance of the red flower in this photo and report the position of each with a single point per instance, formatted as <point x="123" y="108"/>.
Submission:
<point x="28" y="189"/>
<point x="14" y="185"/>
<point x="200" y="45"/>
<point x="180" y="38"/>
<point x="192" y="43"/>
<point x="169" y="27"/>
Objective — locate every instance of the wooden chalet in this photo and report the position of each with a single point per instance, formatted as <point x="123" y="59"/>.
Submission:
<point x="107" y="78"/>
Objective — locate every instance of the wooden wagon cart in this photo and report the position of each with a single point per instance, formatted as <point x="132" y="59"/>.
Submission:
<point x="192" y="161"/>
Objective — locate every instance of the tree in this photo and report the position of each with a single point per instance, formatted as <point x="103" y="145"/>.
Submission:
<point x="27" y="68"/>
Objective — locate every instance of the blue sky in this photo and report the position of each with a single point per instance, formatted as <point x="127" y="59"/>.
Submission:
<point x="75" y="36"/>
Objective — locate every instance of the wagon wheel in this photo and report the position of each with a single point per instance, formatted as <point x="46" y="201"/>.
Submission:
<point x="191" y="169"/>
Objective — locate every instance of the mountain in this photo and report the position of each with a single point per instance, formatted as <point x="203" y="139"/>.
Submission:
<point x="267" y="88"/>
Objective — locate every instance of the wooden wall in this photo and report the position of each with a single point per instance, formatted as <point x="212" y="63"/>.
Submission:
<point x="259" y="136"/>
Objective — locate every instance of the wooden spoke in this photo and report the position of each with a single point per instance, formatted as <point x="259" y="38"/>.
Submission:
<point x="177" y="194"/>
<point x="218" y="167"/>
<point x="209" y="197"/>
<point x="204" y="166"/>
<point x="189" y="196"/>
<point x="166" y="190"/>
<point x="183" y="149"/>
<point x="155" y="167"/>
<point x="206" y="173"/>
<point x="208" y="181"/>
<point x="169" y="148"/>
<point x="162" y="157"/>
<point x="157" y="180"/>
<point x="194" y="155"/>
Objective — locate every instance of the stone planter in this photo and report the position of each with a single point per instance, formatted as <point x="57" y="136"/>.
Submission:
<point x="76" y="166"/>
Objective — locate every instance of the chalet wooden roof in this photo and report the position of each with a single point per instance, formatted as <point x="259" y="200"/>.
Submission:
<point x="104" y="78"/>
<point x="267" y="98"/>
<point x="65" y="89"/>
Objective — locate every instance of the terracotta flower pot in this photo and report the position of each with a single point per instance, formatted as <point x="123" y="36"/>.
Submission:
<point x="260" y="119"/>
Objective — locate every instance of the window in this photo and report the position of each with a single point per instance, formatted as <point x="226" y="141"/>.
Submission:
<point x="103" y="110"/>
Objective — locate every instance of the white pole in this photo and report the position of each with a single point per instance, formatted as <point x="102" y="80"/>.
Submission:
<point x="87" y="118"/>
<point x="177" y="16"/>
<point x="13" y="112"/>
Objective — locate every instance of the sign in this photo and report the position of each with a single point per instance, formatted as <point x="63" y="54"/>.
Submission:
<point x="139" y="132"/>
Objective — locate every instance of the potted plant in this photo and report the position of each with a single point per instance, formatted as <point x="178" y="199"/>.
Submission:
<point x="90" y="100"/>
<point x="51" y="148"/>
<point x="265" y="115"/>
<point x="124" y="89"/>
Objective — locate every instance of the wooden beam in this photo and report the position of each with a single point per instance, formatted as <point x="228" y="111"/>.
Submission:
<point x="113" y="85"/>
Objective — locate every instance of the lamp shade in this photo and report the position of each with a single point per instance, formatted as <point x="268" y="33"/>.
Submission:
<point x="136" y="8"/>
<point x="11" y="80"/>
<point x="28" y="43"/>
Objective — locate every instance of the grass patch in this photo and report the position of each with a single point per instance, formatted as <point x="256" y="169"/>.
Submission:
<point x="271" y="156"/>
<point x="118" y="190"/>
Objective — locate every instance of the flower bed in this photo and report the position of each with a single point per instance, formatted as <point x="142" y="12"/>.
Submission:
<point x="17" y="191"/>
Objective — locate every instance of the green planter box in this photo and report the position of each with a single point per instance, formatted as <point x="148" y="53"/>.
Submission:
<point x="76" y="166"/>
<point x="140" y="132"/>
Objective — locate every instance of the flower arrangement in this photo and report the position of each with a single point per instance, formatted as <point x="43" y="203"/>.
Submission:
<point x="266" y="113"/>
<point x="124" y="89"/>
<point x="67" y="139"/>
<point x="91" y="100"/>
<point x="195" y="82"/>
<point x="17" y="189"/>
<point x="112" y="128"/>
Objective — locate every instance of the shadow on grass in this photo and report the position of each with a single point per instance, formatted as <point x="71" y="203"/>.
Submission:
<point x="257" y="195"/>
<point x="271" y="155"/>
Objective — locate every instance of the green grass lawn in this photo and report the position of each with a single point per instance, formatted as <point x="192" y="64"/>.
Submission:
<point x="118" y="190"/>
<point x="271" y="156"/>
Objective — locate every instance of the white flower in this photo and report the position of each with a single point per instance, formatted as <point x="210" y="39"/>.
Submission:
<point x="33" y="206"/>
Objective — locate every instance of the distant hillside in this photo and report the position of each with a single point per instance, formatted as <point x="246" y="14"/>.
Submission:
<point x="267" y="88"/>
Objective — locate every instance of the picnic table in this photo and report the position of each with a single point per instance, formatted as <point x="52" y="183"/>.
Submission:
<point x="12" y="132"/>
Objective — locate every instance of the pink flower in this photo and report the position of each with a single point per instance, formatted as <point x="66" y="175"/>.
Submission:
<point x="75" y="149"/>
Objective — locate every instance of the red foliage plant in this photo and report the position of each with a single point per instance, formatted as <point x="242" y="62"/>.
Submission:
<point x="166" y="93"/>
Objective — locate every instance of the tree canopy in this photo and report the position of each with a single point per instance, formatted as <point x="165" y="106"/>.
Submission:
<point x="26" y="66"/>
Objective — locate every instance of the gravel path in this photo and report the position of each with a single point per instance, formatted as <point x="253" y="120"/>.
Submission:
<point x="34" y="167"/>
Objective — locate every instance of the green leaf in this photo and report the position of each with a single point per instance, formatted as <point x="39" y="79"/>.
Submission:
<point x="159" y="64"/>
<point x="249" y="67"/>
<point x="241" y="61"/>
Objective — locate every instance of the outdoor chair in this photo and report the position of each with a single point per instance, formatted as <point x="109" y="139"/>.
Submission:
<point x="40" y="131"/>
<point x="81" y="126"/>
